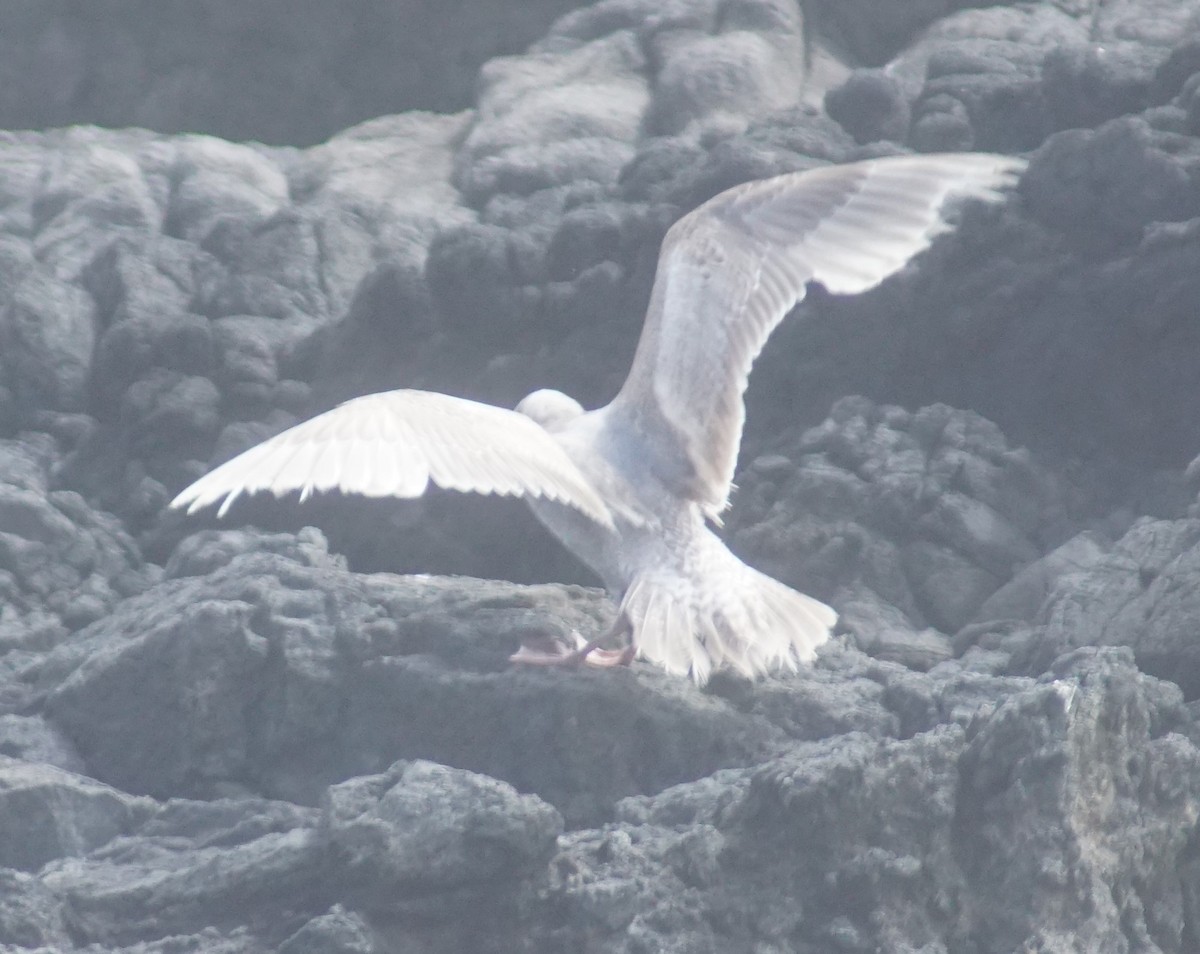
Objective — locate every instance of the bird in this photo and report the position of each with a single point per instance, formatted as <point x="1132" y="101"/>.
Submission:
<point x="636" y="488"/>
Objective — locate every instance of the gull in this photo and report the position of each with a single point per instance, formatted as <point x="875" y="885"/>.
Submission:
<point x="634" y="488"/>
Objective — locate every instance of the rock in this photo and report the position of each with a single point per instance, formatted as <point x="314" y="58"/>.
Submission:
<point x="31" y="916"/>
<point x="1156" y="23"/>
<point x="120" y="64"/>
<point x="46" y="813"/>
<point x="1022" y="597"/>
<point x="864" y="844"/>
<point x="870" y="105"/>
<point x="209" y="941"/>
<point x="422" y="827"/>
<point x="1133" y="594"/>
<point x="984" y="96"/>
<point x="872" y="32"/>
<point x="1090" y="84"/>
<point x="32" y="739"/>
<point x="262" y="662"/>
<point x="194" y="866"/>
<point x="976" y="76"/>
<point x="213" y="180"/>
<point x="570" y="111"/>
<point x="1134" y="177"/>
<point x="65" y="564"/>
<point x="94" y="193"/>
<point x="131" y="257"/>
<point x="337" y="932"/>
<point x="921" y="519"/>
<point x="747" y="63"/>
<point x="47" y="331"/>
<point x="1096" y="719"/>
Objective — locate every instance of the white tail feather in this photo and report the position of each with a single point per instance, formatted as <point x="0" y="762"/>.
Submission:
<point x="752" y="623"/>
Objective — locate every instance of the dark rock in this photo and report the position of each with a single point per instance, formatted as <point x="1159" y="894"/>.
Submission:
<point x="570" y="112"/>
<point x="46" y="813"/>
<point x="1134" y="594"/>
<point x="985" y="96"/>
<point x="206" y="941"/>
<point x="378" y="344"/>
<point x="939" y="839"/>
<point x="873" y="32"/>
<point x="134" y="348"/>
<point x="870" y="105"/>
<point x="137" y="266"/>
<point x="170" y="412"/>
<point x="904" y="521"/>
<point x="1073" y="870"/>
<point x="337" y="932"/>
<point x="746" y="63"/>
<point x="845" y="691"/>
<point x="421" y="827"/>
<point x="1180" y="65"/>
<point x="63" y="564"/>
<point x="32" y="739"/>
<point x="271" y="71"/>
<point x="144" y="281"/>
<point x="471" y="274"/>
<point x="192" y="867"/>
<point x="1108" y="185"/>
<point x="209" y="732"/>
<point x="279" y="671"/>
<point x="1089" y="85"/>
<point x="1190" y="101"/>
<point x="977" y="76"/>
<point x="47" y="330"/>
<point x="30" y="915"/>
<point x="1025" y="594"/>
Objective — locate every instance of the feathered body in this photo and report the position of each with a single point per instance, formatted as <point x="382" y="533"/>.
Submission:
<point x="692" y="607"/>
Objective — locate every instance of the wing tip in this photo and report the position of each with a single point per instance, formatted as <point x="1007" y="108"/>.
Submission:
<point x="991" y="176"/>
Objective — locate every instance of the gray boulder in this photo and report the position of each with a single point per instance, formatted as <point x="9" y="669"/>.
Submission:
<point x="263" y="663"/>
<point x="46" y="813"/>
<point x="907" y="522"/>
<point x="1134" y="593"/>
<point x="421" y="827"/>
<point x="270" y="71"/>
<point x="949" y="840"/>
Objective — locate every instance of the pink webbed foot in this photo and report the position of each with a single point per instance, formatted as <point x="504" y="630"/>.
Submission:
<point x="554" y="653"/>
<point x="610" y="658"/>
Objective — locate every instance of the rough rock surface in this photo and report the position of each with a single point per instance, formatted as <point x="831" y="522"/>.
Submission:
<point x="266" y="736"/>
<point x="277" y="71"/>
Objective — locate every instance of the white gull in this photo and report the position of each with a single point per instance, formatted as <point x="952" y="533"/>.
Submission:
<point x="631" y="487"/>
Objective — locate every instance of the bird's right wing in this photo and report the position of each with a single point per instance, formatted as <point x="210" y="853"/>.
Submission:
<point x="731" y="270"/>
<point x="393" y="444"/>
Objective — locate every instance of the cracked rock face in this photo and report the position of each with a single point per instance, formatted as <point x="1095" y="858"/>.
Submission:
<point x="297" y="730"/>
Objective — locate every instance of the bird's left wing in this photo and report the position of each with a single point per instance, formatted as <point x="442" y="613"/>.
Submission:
<point x="393" y="444"/>
<point x="729" y="272"/>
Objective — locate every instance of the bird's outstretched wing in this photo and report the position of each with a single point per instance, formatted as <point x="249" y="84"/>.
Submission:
<point x="393" y="444"/>
<point x="730" y="271"/>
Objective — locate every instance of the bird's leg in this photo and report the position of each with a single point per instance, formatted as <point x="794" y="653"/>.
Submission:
<point x="586" y="651"/>
<point x="591" y="653"/>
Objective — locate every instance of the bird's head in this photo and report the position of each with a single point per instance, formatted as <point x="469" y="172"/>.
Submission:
<point x="551" y="409"/>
